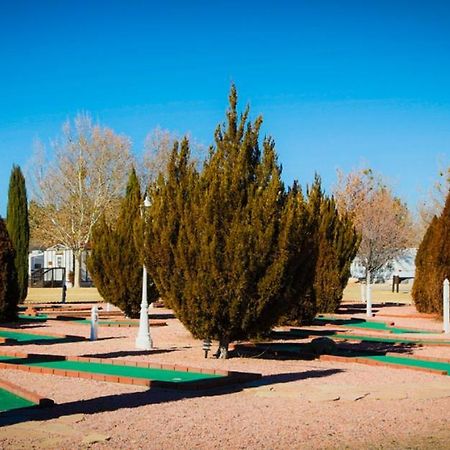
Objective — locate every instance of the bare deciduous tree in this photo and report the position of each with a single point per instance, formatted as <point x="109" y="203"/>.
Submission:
<point x="157" y="150"/>
<point x="382" y="220"/>
<point x="85" y="178"/>
<point x="433" y="203"/>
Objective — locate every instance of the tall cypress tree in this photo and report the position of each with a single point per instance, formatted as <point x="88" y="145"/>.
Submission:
<point x="220" y="241"/>
<point x="18" y="227"/>
<point x="9" y="288"/>
<point x="338" y="244"/>
<point x="433" y="264"/>
<point x="332" y="245"/>
<point x="115" y="260"/>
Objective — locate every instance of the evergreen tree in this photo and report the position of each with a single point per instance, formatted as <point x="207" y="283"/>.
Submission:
<point x="220" y="241"/>
<point x="115" y="260"/>
<point x="9" y="288"/>
<point x="433" y="264"/>
<point x="18" y="227"/>
<point x="337" y="246"/>
<point x="332" y="245"/>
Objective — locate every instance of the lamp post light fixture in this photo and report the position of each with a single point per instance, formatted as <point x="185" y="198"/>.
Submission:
<point x="143" y="339"/>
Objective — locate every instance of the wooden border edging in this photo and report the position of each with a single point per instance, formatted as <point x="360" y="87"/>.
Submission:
<point x="373" y="362"/>
<point x="26" y="394"/>
<point x="227" y="377"/>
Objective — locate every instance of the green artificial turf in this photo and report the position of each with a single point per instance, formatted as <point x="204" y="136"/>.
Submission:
<point x="173" y="376"/>
<point x="29" y="337"/>
<point x="38" y="318"/>
<point x="412" y="362"/>
<point x="355" y="337"/>
<point x="9" y="401"/>
<point x="361" y="323"/>
<point x="133" y="323"/>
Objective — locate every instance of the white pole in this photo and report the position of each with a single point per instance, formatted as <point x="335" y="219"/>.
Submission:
<point x="143" y="339"/>
<point x="446" y="307"/>
<point x="363" y="296"/>
<point x="94" y="323"/>
<point x="368" y="296"/>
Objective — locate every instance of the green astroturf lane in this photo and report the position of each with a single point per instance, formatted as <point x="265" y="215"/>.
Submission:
<point x="386" y="339"/>
<point x="361" y="323"/>
<point x="39" y="317"/>
<point x="173" y="376"/>
<point x="412" y="362"/>
<point x="29" y="337"/>
<point x="105" y="322"/>
<point x="9" y="401"/>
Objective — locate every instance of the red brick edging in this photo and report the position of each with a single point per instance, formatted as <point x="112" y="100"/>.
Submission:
<point x="372" y="362"/>
<point x="228" y="377"/>
<point x="28" y="395"/>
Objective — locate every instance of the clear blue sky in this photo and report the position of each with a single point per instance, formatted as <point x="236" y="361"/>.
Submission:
<point x="341" y="84"/>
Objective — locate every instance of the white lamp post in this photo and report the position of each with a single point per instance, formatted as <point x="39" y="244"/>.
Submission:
<point x="143" y="339"/>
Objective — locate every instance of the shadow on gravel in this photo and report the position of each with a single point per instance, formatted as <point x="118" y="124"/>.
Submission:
<point x="121" y="354"/>
<point x="160" y="316"/>
<point x="152" y="396"/>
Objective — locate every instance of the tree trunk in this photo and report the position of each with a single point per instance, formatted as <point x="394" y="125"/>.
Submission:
<point x="77" y="269"/>
<point x="222" y="351"/>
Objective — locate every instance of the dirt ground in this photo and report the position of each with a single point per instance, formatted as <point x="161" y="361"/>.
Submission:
<point x="297" y="404"/>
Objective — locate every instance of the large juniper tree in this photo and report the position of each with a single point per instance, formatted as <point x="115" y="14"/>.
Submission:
<point x="433" y="264"/>
<point x="9" y="288"/>
<point x="224" y="243"/>
<point x="18" y="227"/>
<point x="336" y="241"/>
<point x="115" y="260"/>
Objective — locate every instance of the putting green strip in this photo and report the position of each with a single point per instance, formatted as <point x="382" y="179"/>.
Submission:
<point x="424" y="364"/>
<point x="29" y="337"/>
<point x="361" y="323"/>
<point x="354" y="337"/>
<point x="9" y="401"/>
<point x="172" y="376"/>
<point x="39" y="317"/>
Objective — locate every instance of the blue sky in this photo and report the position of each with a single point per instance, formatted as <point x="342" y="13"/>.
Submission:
<point x="341" y="84"/>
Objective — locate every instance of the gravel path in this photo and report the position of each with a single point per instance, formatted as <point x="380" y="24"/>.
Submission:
<point x="296" y="405"/>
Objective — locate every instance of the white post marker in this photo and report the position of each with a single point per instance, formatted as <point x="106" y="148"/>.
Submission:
<point x="368" y="297"/>
<point x="143" y="339"/>
<point x="94" y="323"/>
<point x="363" y="296"/>
<point x="446" y="300"/>
<point x="108" y="307"/>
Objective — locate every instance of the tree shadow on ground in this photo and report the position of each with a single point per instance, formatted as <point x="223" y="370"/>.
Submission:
<point x="303" y="333"/>
<point x="120" y="354"/>
<point x="152" y="396"/>
<point x="366" y="348"/>
<point x="274" y="350"/>
<point x="160" y="316"/>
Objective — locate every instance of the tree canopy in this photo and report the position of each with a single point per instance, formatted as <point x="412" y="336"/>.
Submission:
<point x="18" y="227"/>
<point x="433" y="263"/>
<point x="83" y="181"/>
<point x="9" y="287"/>
<point x="223" y="245"/>
<point x="115" y="262"/>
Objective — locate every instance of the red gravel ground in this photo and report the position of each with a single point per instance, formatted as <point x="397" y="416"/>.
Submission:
<point x="298" y="404"/>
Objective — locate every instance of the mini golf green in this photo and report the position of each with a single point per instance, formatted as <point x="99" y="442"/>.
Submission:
<point x="132" y="323"/>
<point x="354" y="337"/>
<point x="173" y="376"/>
<point x="38" y="318"/>
<point x="9" y="401"/>
<point x="412" y="362"/>
<point x="29" y="337"/>
<point x="361" y="323"/>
